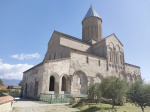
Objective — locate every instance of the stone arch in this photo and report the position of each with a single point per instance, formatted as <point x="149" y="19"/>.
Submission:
<point x="54" y="82"/>
<point x="130" y="77"/>
<point x="120" y="58"/>
<point x="117" y="48"/>
<point x="110" y="54"/>
<point x="63" y="88"/>
<point x="134" y="77"/>
<point x="99" y="77"/>
<point x="65" y="83"/>
<point x="111" y="45"/>
<point x="79" y="82"/>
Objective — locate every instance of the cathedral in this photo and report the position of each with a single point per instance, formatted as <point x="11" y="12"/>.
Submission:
<point x="71" y="64"/>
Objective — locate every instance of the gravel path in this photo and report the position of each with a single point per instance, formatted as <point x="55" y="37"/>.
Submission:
<point x="36" y="106"/>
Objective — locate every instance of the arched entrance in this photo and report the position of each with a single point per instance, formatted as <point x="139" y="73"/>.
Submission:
<point x="79" y="83"/>
<point x="52" y="83"/>
<point x="64" y="81"/>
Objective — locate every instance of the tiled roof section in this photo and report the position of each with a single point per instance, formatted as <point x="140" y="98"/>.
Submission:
<point x="71" y="37"/>
<point x="4" y="87"/>
<point x="5" y="99"/>
<point x="132" y="65"/>
<point x="91" y="13"/>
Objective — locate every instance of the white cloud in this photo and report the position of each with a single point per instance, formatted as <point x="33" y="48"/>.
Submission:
<point x="12" y="71"/>
<point x="25" y="56"/>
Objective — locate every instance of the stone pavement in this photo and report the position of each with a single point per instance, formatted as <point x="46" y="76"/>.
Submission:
<point x="25" y="105"/>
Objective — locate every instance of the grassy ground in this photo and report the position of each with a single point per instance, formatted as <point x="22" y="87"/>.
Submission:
<point x="92" y="107"/>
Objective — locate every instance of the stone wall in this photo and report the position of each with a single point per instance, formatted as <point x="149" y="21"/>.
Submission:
<point x="58" y="69"/>
<point x="94" y="66"/>
<point x="133" y="72"/>
<point x="37" y="79"/>
<point x="32" y="81"/>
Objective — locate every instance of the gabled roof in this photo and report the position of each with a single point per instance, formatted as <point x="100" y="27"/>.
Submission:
<point x="114" y="36"/>
<point x="91" y="13"/>
<point x="71" y="37"/>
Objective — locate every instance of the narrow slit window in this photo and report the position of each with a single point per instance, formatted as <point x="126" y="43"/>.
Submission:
<point x="99" y="63"/>
<point x="120" y="59"/>
<point x="87" y="59"/>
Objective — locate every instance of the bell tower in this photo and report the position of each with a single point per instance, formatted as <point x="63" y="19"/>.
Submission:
<point x="92" y="26"/>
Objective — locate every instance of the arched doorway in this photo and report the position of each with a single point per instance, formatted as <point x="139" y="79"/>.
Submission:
<point x="63" y="84"/>
<point x="52" y="83"/>
<point x="79" y="83"/>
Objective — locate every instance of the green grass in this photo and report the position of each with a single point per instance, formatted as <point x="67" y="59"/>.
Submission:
<point x="92" y="107"/>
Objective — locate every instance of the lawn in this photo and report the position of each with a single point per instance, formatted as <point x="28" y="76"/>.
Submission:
<point x="92" y="107"/>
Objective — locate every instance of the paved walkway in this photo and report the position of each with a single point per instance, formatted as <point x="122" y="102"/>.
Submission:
<point x="25" y="105"/>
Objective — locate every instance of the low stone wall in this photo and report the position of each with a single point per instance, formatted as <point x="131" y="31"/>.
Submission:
<point x="5" y="107"/>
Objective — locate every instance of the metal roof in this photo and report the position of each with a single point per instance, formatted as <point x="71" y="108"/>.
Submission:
<point x="91" y="12"/>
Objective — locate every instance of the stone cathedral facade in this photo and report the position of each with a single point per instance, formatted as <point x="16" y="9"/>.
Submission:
<point x="71" y="64"/>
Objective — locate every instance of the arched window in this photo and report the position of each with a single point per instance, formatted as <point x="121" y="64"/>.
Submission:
<point x="110" y="56"/>
<point x="116" y="58"/>
<point x="121" y="60"/>
<point x="51" y="83"/>
<point x="130" y="78"/>
<point x="63" y="84"/>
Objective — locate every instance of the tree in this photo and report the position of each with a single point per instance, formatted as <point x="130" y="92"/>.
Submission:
<point x="1" y="82"/>
<point x="113" y="88"/>
<point x="93" y="91"/>
<point x="139" y="94"/>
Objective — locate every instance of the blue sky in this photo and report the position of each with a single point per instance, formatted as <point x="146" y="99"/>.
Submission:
<point x="27" y="25"/>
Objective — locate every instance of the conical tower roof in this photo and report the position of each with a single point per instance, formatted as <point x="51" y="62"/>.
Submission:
<point x="91" y="13"/>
